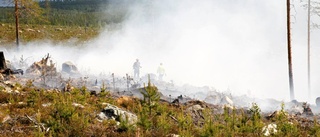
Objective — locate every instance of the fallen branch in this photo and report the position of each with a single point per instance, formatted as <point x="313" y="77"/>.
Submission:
<point x="38" y="124"/>
<point x="172" y="117"/>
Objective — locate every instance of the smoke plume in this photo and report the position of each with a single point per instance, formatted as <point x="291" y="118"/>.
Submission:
<point x="232" y="45"/>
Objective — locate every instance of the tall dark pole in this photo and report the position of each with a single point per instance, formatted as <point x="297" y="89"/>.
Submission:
<point x="17" y="21"/>
<point x="289" y="52"/>
<point x="309" y="81"/>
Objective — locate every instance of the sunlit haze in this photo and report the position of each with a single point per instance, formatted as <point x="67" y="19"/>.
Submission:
<point x="231" y="45"/>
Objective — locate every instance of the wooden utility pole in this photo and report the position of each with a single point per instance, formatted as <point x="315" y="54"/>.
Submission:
<point x="289" y="52"/>
<point x="17" y="21"/>
<point x="309" y="81"/>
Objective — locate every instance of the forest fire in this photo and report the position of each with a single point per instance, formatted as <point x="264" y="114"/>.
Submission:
<point x="158" y="68"/>
<point x="45" y="75"/>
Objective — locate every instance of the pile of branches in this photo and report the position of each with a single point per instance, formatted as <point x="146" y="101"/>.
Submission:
<point x="42" y="67"/>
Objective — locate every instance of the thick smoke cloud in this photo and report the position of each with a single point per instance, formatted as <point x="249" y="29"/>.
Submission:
<point x="227" y="45"/>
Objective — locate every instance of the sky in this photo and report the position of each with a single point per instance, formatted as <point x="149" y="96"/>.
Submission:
<point x="239" y="46"/>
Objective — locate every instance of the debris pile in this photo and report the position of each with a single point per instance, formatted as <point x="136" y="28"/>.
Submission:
<point x="196" y="110"/>
<point x="42" y="68"/>
<point x="5" y="71"/>
<point x="306" y="110"/>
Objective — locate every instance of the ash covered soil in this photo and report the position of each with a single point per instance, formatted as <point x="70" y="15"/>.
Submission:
<point x="42" y="76"/>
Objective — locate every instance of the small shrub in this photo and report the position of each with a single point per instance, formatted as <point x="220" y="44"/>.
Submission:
<point x="4" y="97"/>
<point x="209" y="128"/>
<point x="33" y="98"/>
<point x="285" y="127"/>
<point x="151" y="96"/>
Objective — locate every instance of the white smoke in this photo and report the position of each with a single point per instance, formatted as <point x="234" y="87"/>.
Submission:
<point x="234" y="45"/>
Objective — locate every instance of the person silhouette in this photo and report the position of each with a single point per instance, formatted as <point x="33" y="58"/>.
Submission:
<point x="161" y="72"/>
<point x="136" y="69"/>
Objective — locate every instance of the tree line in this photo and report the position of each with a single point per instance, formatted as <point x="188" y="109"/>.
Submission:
<point x="69" y="13"/>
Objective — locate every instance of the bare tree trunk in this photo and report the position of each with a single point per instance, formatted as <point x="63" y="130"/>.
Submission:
<point x="309" y="81"/>
<point x="3" y="64"/>
<point x="289" y="52"/>
<point x="17" y="21"/>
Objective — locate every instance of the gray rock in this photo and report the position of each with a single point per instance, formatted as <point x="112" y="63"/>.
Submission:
<point x="318" y="102"/>
<point x="270" y="129"/>
<point x="69" y="68"/>
<point x="195" y="108"/>
<point x="115" y="113"/>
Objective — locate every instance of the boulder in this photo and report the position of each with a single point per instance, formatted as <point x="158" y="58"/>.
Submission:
<point x="196" y="107"/>
<point x="118" y="114"/>
<point x="270" y="129"/>
<point x="69" y="68"/>
<point x="318" y="101"/>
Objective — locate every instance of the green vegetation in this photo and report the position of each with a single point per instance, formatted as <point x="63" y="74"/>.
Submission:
<point x="39" y="112"/>
<point x="56" y="34"/>
<point x="62" y="21"/>
<point x="89" y="13"/>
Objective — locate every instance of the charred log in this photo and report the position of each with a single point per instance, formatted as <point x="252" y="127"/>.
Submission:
<point x="11" y="71"/>
<point x="2" y="61"/>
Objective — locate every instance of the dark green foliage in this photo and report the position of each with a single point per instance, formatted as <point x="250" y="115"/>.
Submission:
<point x="6" y="15"/>
<point x="33" y="98"/>
<point x="285" y="127"/>
<point x="85" y="13"/>
<point x="89" y="5"/>
<point x="62" y="117"/>
<point x="150" y="102"/>
<point x="315" y="130"/>
<point x="151" y="96"/>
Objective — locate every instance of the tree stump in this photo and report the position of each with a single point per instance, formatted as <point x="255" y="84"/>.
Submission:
<point x="3" y="64"/>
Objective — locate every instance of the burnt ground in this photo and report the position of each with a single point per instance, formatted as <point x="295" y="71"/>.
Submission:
<point x="300" y="112"/>
<point x="44" y="75"/>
